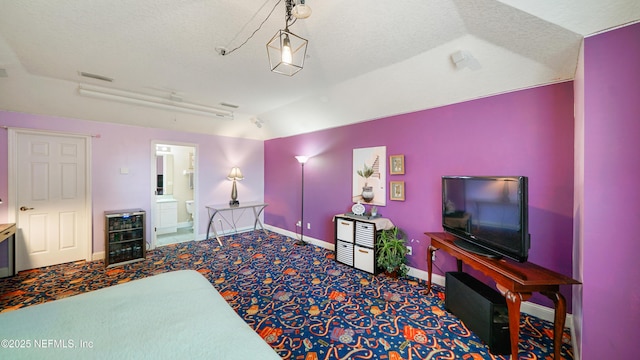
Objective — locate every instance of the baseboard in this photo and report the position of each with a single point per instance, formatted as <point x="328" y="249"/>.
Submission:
<point x="4" y="272"/>
<point x="307" y="239"/>
<point x="97" y="256"/>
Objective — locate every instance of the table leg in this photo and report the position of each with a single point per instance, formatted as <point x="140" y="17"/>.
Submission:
<point x="429" y="266"/>
<point x="558" y="321"/>
<point x="257" y="221"/>
<point x="215" y="233"/>
<point x="214" y="228"/>
<point x="513" y="305"/>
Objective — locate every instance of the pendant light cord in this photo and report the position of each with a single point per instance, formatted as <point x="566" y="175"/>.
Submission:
<point x="227" y="52"/>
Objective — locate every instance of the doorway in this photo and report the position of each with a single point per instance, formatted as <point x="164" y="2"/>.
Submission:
<point x="173" y="168"/>
<point x="50" y="183"/>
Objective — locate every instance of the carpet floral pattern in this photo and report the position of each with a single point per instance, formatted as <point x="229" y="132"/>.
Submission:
<point x="302" y="302"/>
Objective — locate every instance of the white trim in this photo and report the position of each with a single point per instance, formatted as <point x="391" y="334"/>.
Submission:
<point x="307" y="239"/>
<point x="152" y="241"/>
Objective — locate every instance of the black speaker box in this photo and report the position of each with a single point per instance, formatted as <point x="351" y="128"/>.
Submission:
<point x="482" y="309"/>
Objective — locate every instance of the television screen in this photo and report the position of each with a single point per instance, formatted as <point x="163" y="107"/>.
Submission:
<point x="488" y="213"/>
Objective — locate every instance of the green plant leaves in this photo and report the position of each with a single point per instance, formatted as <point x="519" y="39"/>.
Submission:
<point x="391" y="251"/>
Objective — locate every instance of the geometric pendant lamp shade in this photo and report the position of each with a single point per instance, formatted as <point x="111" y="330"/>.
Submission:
<point x="287" y="52"/>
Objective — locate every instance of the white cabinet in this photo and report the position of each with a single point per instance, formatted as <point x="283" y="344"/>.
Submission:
<point x="167" y="217"/>
<point x="355" y="243"/>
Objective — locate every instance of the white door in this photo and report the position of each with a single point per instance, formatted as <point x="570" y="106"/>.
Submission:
<point x="51" y="199"/>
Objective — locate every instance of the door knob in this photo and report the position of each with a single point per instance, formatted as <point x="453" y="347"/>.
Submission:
<point x="24" y="208"/>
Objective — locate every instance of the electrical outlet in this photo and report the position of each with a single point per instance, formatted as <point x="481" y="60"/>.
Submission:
<point x="308" y="226"/>
<point x="409" y="250"/>
<point x="433" y="256"/>
<point x="299" y="223"/>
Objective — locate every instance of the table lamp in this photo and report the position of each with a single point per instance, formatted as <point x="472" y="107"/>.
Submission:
<point x="235" y="174"/>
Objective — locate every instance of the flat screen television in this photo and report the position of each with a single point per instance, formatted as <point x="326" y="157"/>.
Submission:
<point x="488" y="214"/>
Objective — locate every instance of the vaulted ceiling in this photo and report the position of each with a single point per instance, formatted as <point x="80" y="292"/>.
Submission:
<point x="366" y="59"/>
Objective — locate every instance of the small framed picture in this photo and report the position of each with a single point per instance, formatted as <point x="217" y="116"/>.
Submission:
<point x="397" y="164"/>
<point x="396" y="190"/>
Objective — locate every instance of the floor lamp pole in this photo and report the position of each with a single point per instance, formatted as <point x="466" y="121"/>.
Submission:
<point x="302" y="242"/>
<point x="302" y="160"/>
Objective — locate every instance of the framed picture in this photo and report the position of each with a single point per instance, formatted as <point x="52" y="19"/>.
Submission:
<point x="396" y="190"/>
<point x="397" y="164"/>
<point x="369" y="175"/>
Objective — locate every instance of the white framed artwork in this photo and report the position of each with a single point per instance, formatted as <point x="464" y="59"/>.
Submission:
<point x="369" y="175"/>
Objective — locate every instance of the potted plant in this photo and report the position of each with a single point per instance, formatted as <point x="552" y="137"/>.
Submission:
<point x="367" y="191"/>
<point x="391" y="251"/>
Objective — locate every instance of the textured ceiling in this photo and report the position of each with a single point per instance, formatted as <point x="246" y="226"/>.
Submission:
<point x="367" y="58"/>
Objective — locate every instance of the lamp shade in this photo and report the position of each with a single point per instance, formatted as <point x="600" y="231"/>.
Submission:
<point x="235" y="174"/>
<point x="287" y="52"/>
<point x="302" y="159"/>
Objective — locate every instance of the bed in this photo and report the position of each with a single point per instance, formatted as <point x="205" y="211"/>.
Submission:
<point x="173" y="315"/>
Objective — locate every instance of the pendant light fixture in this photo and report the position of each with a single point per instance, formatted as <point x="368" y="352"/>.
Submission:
<point x="286" y="50"/>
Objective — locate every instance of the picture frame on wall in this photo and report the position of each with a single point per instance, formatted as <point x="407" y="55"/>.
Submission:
<point x="396" y="190"/>
<point x="396" y="164"/>
<point x="369" y="175"/>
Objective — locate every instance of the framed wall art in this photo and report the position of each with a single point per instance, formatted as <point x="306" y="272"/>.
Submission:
<point x="369" y="175"/>
<point x="397" y="164"/>
<point x="396" y="190"/>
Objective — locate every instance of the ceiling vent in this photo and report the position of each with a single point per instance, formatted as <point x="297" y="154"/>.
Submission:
<point x="95" y="76"/>
<point x="233" y="106"/>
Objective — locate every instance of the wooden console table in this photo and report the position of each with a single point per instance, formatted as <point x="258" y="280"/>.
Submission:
<point x="516" y="281"/>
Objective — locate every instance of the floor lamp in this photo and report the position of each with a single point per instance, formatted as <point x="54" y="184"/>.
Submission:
<point x="302" y="159"/>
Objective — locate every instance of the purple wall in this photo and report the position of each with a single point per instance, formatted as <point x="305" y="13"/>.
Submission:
<point x="130" y="146"/>
<point x="611" y="294"/>
<point x="528" y="133"/>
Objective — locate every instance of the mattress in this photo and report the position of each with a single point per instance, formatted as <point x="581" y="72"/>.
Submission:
<point x="168" y="316"/>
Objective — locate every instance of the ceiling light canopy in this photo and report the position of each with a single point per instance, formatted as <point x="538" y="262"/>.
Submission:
<point x="301" y="10"/>
<point x="287" y="50"/>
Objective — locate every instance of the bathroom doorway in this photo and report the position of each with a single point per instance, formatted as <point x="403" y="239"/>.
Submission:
<point x="174" y="218"/>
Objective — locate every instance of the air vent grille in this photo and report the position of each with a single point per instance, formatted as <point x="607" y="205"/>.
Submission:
<point x="233" y="106"/>
<point x="95" y="76"/>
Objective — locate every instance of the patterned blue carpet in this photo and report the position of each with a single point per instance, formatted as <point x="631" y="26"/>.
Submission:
<point x="302" y="302"/>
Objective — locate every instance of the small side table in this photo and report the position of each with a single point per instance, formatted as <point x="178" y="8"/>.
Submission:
<point x="8" y="232"/>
